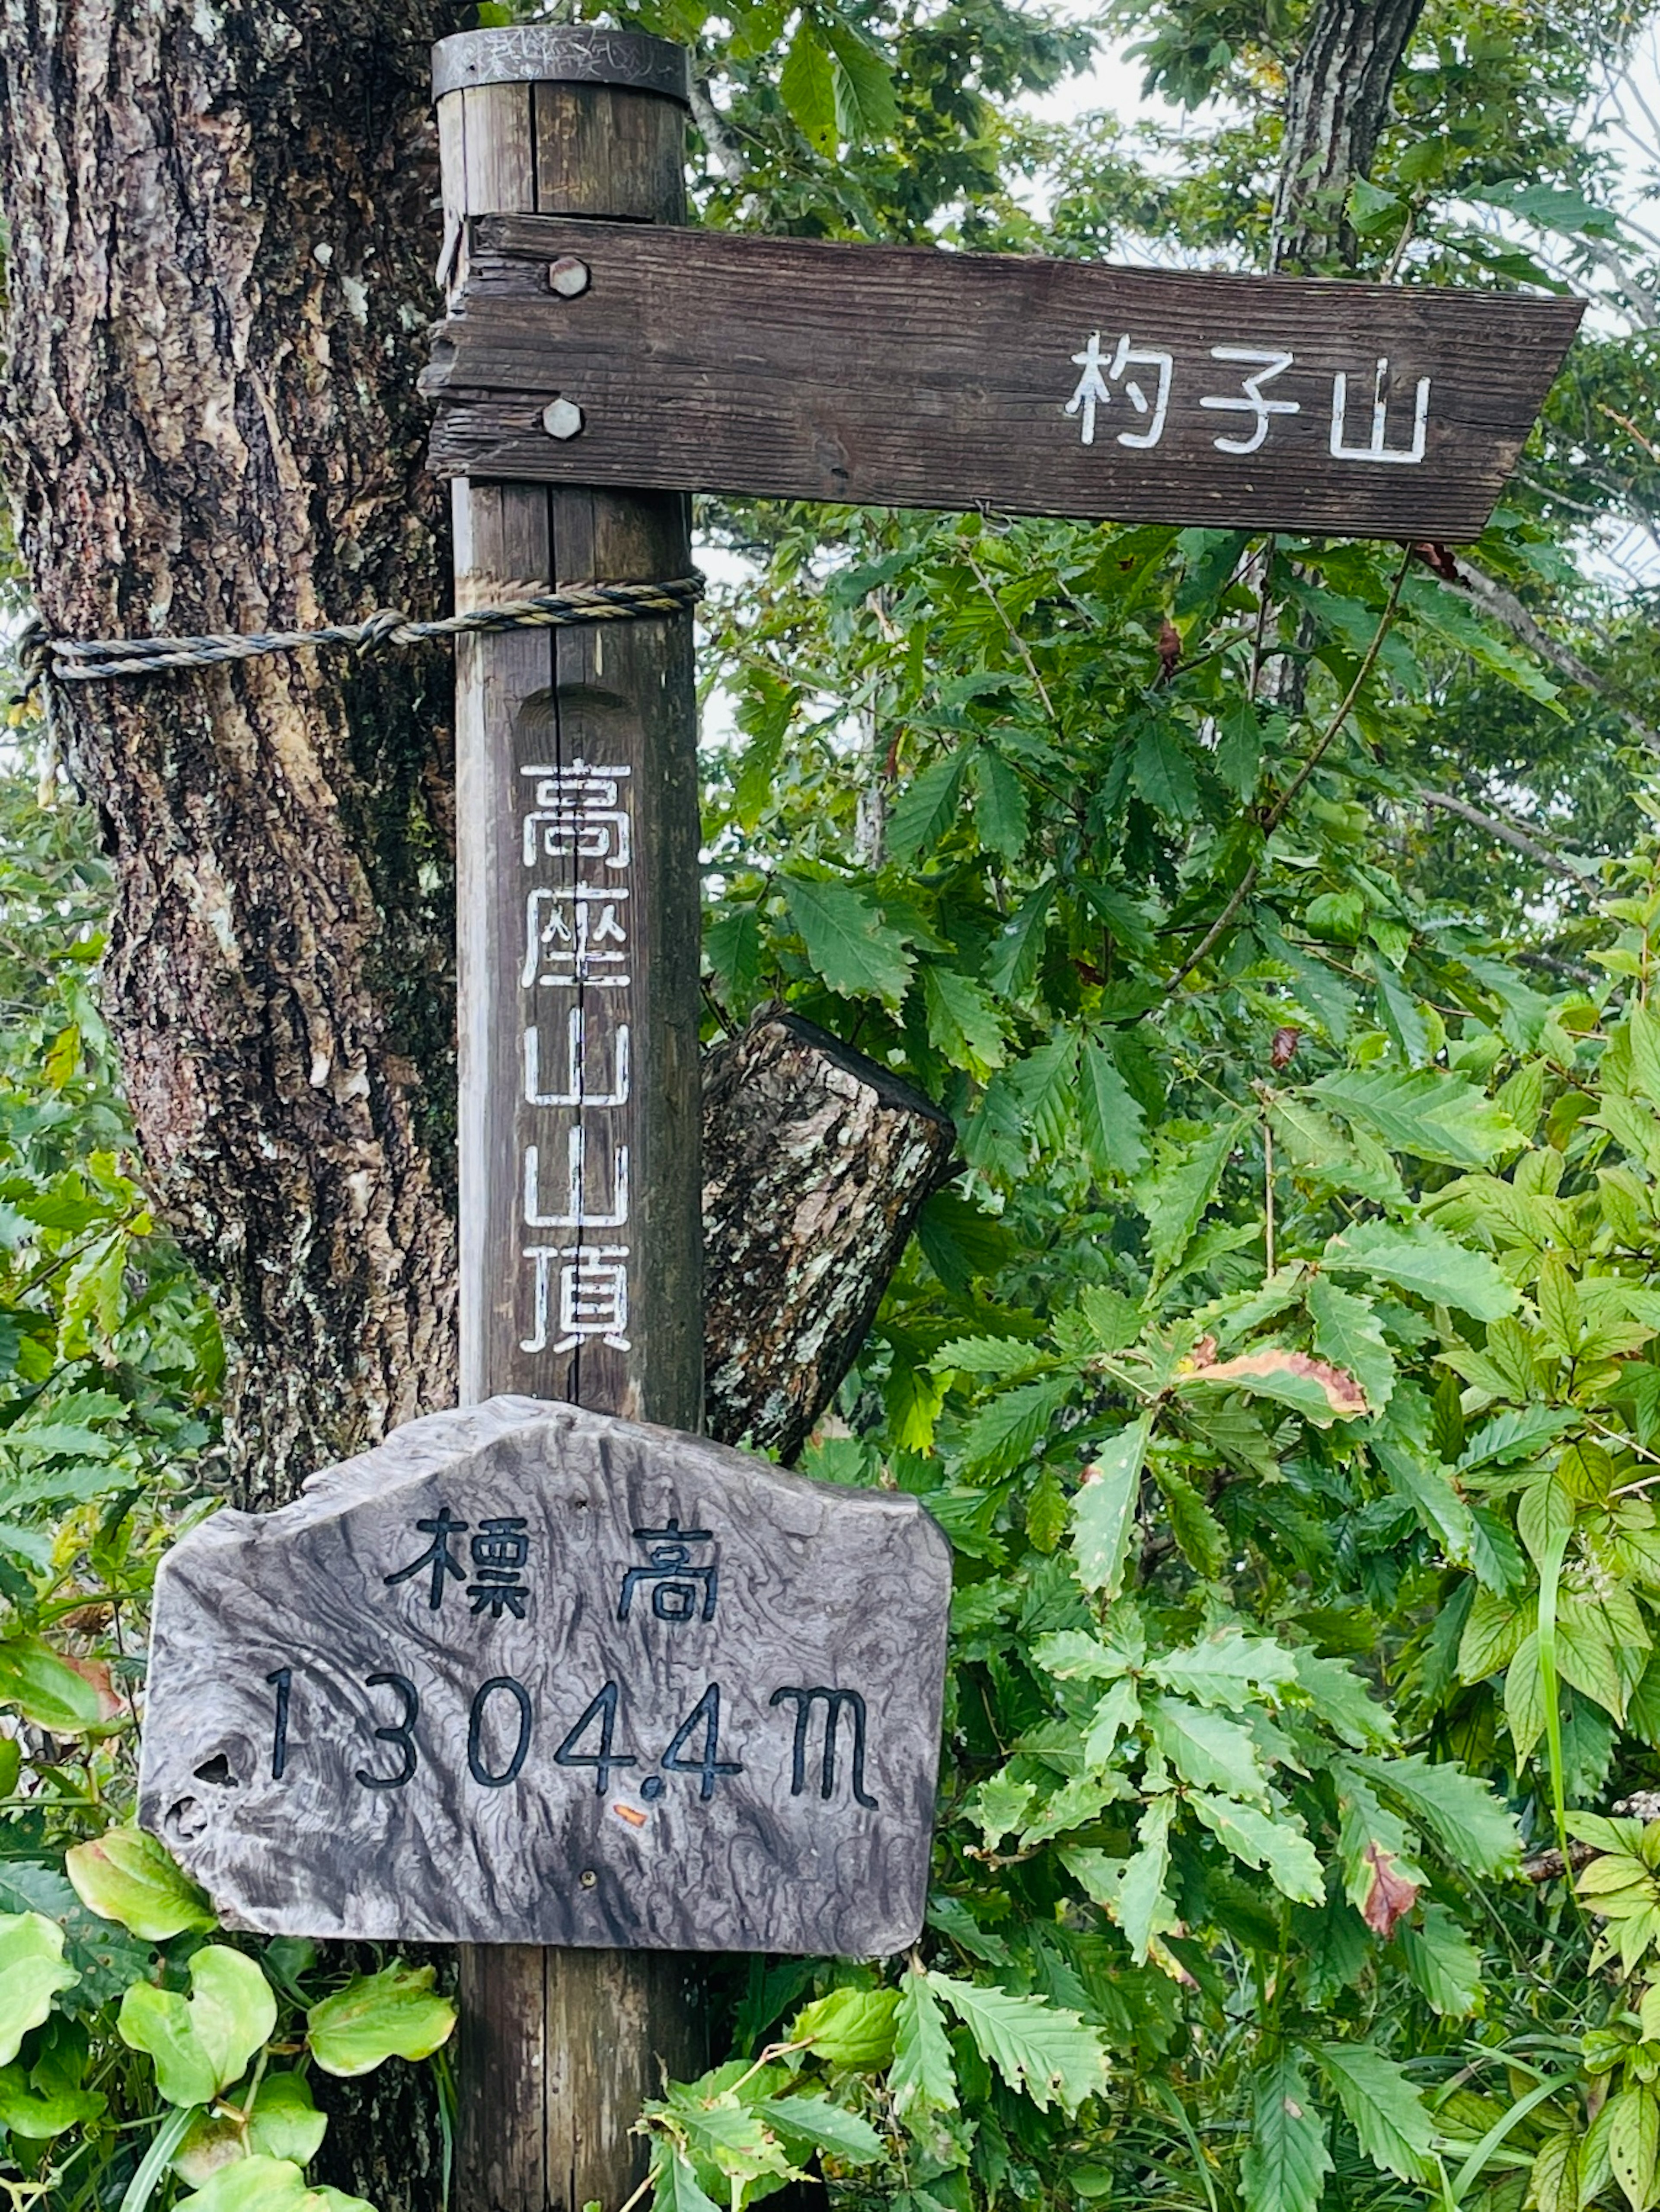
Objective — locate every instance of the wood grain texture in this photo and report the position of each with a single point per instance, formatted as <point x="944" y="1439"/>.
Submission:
<point x="272" y="1755"/>
<point x="892" y="375"/>
<point x="557" y="2049"/>
<point x="816" y="1162"/>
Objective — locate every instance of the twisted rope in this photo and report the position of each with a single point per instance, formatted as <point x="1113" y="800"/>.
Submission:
<point x="84" y="660"/>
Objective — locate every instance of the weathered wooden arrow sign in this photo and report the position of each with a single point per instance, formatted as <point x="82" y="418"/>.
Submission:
<point x="529" y="1675"/>
<point x="689" y="360"/>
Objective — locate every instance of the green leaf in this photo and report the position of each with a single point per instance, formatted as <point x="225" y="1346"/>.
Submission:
<point x="1384" y="2109"/>
<point x="1430" y="1115"/>
<point x="867" y="106"/>
<point x="38" y="2103"/>
<point x="1634" y="2143"/>
<point x="1347" y="1331"/>
<point x="1010" y="1426"/>
<point x="999" y="809"/>
<point x="1178" y="1198"/>
<point x="1227" y="1668"/>
<point x="962" y="1022"/>
<point x="1286" y="2159"/>
<point x="848" y="942"/>
<point x="1443" y="1962"/>
<point x="32" y="1970"/>
<point x="1104" y="1511"/>
<point x="1017" y="953"/>
<point x="923" y="2078"/>
<point x="1001" y="1805"/>
<point x="848" y="2027"/>
<point x="126" y="1876"/>
<point x="1426" y="1262"/>
<point x="1277" y="1843"/>
<point x="1109" y="1119"/>
<point x="675" y="2187"/>
<point x="44" y="1689"/>
<point x="927" y="807"/>
<point x="395" y="2014"/>
<point x="807" y="85"/>
<point x="202" y="2043"/>
<point x="1206" y="1748"/>
<point x="284" y="2124"/>
<point x="1477" y="1830"/>
<point x="846" y="2135"/>
<point x="1036" y="2046"/>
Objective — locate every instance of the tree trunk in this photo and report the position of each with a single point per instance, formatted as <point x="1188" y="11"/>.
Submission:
<point x="1335" y="109"/>
<point x="815" y="1164"/>
<point x="222" y="222"/>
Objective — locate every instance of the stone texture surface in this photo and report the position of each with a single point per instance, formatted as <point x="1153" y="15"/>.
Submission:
<point x="312" y="1799"/>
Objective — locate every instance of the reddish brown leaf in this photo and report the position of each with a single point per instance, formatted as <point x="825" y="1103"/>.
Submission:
<point x="1169" y="649"/>
<point x="1391" y="1897"/>
<point x="1284" y="1048"/>
<point x="1342" y="1392"/>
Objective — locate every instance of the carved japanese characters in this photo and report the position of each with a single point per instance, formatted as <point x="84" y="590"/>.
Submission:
<point x="705" y="361"/>
<point x="528" y="1674"/>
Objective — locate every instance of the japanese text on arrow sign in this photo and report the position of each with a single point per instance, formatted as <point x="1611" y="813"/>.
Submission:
<point x="704" y="361"/>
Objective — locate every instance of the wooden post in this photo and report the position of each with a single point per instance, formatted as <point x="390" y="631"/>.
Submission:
<point x="577" y="837"/>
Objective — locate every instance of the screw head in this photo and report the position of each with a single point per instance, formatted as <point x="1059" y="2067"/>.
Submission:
<point x="588" y="1878"/>
<point x="568" y="278"/>
<point x="562" y="418"/>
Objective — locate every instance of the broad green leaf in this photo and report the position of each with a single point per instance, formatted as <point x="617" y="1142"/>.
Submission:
<point x="1227" y="1668"/>
<point x="40" y="2103"/>
<point x="1017" y="953"/>
<point x="126" y="1876"/>
<point x="1477" y="1830"/>
<point x="1133" y="1890"/>
<point x="1275" y="1841"/>
<point x="923" y="2077"/>
<point x="675" y="2185"/>
<point x="1342" y="1700"/>
<point x="1001" y="1807"/>
<point x="251" y="2185"/>
<point x="1036" y="2046"/>
<point x="1206" y="1748"/>
<point x="846" y="2135"/>
<point x="1426" y="1261"/>
<point x="963" y="1023"/>
<point x="848" y="941"/>
<point x="284" y="2124"/>
<point x="395" y="2014"/>
<point x="1109" y="1119"/>
<point x="1011" y="1425"/>
<point x="1286" y="2159"/>
<point x="32" y="1970"/>
<point x="867" y="108"/>
<point x="1176" y="1199"/>
<point x="44" y="1689"/>
<point x="1443" y="1962"/>
<point x="927" y="807"/>
<point x="1348" y="1334"/>
<point x="848" y="2027"/>
<point x="1428" y="1114"/>
<point x="1384" y="2108"/>
<point x="202" y="2042"/>
<point x="1104" y="1511"/>
<point x="1321" y="1392"/>
<point x="807" y="85"/>
<point x="1634" y="2143"/>
<point x="1000" y="809"/>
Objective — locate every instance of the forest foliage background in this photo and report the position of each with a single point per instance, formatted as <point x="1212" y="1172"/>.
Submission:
<point x="1277" y="919"/>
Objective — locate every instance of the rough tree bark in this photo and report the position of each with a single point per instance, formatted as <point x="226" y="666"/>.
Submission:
<point x="815" y="1164"/>
<point x="222" y="222"/>
<point x="221" y="225"/>
<point x="1335" y="108"/>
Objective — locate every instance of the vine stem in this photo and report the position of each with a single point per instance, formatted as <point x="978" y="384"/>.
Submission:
<point x="1281" y="806"/>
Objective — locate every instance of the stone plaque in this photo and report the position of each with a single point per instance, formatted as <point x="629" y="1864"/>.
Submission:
<point x="529" y="1675"/>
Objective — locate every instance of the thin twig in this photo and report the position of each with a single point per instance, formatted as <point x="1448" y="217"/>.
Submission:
<point x="1281" y="806"/>
<point x="1021" y="645"/>
<point x="1506" y="832"/>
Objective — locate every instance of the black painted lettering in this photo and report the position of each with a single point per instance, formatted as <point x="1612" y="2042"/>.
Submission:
<point x="708" y="1763"/>
<point x="834" y="1702"/>
<point x="283" y="1679"/>
<point x="401" y="1732"/>
<point x="603" y="1709"/>
<point x="521" y="1696"/>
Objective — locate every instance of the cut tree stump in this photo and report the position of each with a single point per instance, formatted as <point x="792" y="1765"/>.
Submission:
<point x="816" y="1163"/>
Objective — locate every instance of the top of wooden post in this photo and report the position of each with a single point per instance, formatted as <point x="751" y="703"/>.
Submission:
<point x="561" y="53"/>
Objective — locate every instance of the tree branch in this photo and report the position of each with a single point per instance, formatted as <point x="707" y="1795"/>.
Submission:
<point x="1506" y="832"/>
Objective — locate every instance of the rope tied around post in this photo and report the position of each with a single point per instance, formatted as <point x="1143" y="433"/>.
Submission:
<point x="82" y="660"/>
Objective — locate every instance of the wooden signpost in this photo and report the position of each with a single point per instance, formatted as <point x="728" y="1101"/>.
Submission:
<point x="528" y="1674"/>
<point x="581" y="1695"/>
<point x="898" y="376"/>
